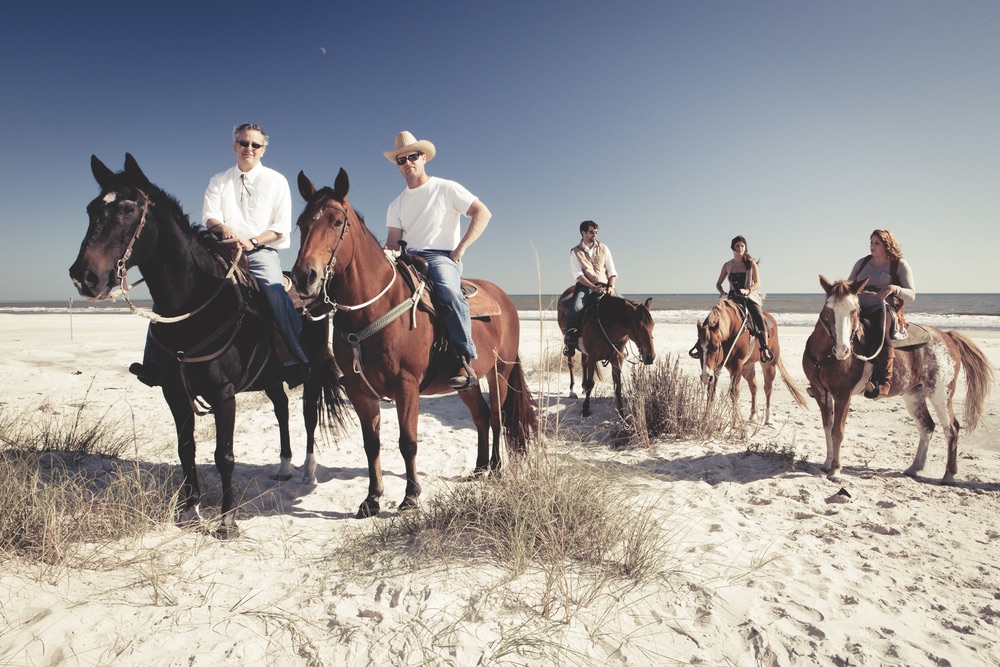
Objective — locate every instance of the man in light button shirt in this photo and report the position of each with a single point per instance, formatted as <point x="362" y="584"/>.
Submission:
<point x="251" y="205"/>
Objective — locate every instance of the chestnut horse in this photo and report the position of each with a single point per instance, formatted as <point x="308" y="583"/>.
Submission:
<point x="834" y="363"/>
<point x="207" y="339"/>
<point x="724" y="341"/>
<point x="384" y="338"/>
<point x="607" y="326"/>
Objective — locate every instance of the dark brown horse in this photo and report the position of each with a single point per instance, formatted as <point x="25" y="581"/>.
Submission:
<point x="207" y="339"/>
<point x="834" y="361"/>
<point x="383" y="338"/>
<point x="607" y="326"/>
<point x="724" y="341"/>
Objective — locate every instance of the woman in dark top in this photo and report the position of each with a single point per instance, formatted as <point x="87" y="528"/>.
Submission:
<point x="744" y="281"/>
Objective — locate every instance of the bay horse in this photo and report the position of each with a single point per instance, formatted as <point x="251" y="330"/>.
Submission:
<point x="835" y="365"/>
<point x="384" y="336"/>
<point x="725" y="341"/>
<point x="206" y="338"/>
<point x="608" y="324"/>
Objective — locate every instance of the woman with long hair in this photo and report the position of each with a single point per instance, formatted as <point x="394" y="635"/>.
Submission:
<point x="744" y="283"/>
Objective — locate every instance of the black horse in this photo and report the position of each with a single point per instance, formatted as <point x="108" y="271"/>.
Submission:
<point x="210" y="337"/>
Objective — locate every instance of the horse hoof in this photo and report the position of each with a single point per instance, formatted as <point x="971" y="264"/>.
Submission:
<point x="227" y="531"/>
<point x="368" y="509"/>
<point x="408" y="503"/>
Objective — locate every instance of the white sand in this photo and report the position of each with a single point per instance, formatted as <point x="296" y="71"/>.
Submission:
<point x="764" y="567"/>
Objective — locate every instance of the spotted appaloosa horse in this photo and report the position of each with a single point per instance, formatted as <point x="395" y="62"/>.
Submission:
<point x="833" y="362"/>
<point x="607" y="326"/>
<point x="724" y="341"/>
<point x="384" y="341"/>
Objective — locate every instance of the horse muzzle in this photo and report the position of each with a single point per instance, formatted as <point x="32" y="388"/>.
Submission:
<point x="88" y="281"/>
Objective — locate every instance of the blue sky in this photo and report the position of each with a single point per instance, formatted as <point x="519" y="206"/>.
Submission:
<point x="674" y="125"/>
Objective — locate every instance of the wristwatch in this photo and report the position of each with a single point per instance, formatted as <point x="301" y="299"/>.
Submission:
<point x="255" y="242"/>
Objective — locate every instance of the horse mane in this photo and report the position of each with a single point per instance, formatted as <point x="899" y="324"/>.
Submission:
<point x="719" y="315"/>
<point x="840" y="289"/>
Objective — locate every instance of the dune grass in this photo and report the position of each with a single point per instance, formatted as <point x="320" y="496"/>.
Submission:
<point x="66" y="487"/>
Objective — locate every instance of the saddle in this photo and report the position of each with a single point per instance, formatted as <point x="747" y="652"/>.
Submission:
<point x="256" y="304"/>
<point x="413" y="270"/>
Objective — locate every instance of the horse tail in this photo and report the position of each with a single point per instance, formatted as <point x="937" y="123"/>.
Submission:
<point x="978" y="378"/>
<point x="792" y="387"/>
<point x="334" y="402"/>
<point x="520" y="423"/>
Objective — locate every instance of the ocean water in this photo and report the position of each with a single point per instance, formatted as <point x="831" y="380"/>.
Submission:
<point x="945" y="311"/>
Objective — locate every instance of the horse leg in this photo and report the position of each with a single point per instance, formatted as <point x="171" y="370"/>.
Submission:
<point x="769" y="371"/>
<point x="825" y="403"/>
<point x="408" y="412"/>
<point x="750" y="374"/>
<point x="312" y="390"/>
<point x="189" y="500"/>
<point x="839" y="421"/>
<point x="370" y="419"/>
<point x="483" y="419"/>
<point x="314" y="337"/>
<point x="916" y="405"/>
<point x="941" y="400"/>
<point x="735" y="376"/>
<point x="279" y="400"/>
<point x="616" y="377"/>
<point x="570" y="365"/>
<point x="225" y="462"/>
<point x="499" y="387"/>
<point x="587" y="368"/>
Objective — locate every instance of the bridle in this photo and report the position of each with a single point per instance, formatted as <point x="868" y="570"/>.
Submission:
<point x="121" y="273"/>
<point x="856" y="331"/>
<point x="330" y="304"/>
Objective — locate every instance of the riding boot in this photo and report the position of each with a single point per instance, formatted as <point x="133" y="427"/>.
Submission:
<point x="466" y="378"/>
<point x="766" y="356"/>
<point x="570" y="340"/>
<point x="881" y="380"/>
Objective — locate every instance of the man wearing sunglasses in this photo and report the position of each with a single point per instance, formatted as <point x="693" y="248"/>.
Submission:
<point x="427" y="217"/>
<point x="594" y="272"/>
<point x="251" y="205"/>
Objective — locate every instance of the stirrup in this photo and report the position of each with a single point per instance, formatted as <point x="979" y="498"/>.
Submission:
<point x="766" y="356"/>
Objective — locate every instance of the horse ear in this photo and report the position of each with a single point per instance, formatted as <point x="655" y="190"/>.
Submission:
<point x="133" y="171"/>
<point x="858" y="286"/>
<point x="102" y="174"/>
<point x="306" y="188"/>
<point x="649" y="304"/>
<point x="825" y="284"/>
<point x="342" y="184"/>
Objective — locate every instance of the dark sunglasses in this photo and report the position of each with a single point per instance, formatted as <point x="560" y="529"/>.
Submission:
<point x="403" y="159"/>
<point x="247" y="144"/>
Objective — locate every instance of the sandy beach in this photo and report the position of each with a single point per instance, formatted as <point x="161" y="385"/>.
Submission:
<point x="767" y="566"/>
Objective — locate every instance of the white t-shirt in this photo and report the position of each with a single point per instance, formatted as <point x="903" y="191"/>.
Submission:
<point x="261" y="203"/>
<point x="430" y="215"/>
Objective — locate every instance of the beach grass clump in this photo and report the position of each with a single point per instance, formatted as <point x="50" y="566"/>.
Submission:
<point x="571" y="521"/>
<point x="65" y="489"/>
<point x="662" y="401"/>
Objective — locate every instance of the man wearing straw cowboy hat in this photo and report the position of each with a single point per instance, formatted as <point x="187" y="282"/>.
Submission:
<point x="427" y="217"/>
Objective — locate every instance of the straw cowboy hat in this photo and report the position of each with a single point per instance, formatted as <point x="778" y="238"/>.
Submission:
<point x="406" y="143"/>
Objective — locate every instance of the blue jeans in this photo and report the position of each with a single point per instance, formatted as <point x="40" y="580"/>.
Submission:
<point x="581" y="297"/>
<point x="265" y="265"/>
<point x="446" y="277"/>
